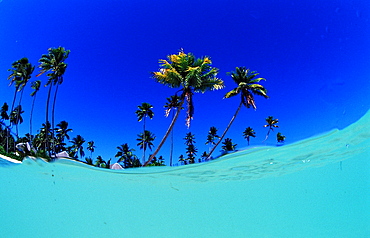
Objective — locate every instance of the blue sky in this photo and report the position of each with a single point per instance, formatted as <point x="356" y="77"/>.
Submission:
<point x="314" y="55"/>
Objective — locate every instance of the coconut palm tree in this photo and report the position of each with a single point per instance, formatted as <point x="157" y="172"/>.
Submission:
<point x="91" y="147"/>
<point x="77" y="145"/>
<point x="16" y="117"/>
<point x="189" y="74"/>
<point x="228" y="146"/>
<point x="145" y="141"/>
<point x="21" y="73"/>
<point x="182" y="159"/>
<point x="144" y="111"/>
<point x="191" y="150"/>
<point x="271" y="124"/>
<point x="62" y="131"/>
<point x="280" y="138"/>
<point x="53" y="64"/>
<point x="247" y="87"/>
<point x="125" y="154"/>
<point x="248" y="133"/>
<point x="172" y="104"/>
<point x="35" y="85"/>
<point x="211" y="137"/>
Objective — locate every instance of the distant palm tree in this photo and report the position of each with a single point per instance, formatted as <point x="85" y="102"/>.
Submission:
<point x="182" y="160"/>
<point x="36" y="87"/>
<point x="212" y="135"/>
<point x="173" y="102"/>
<point x="191" y="150"/>
<point x="248" y="133"/>
<point x="247" y="87"/>
<point x="91" y="147"/>
<point x="228" y="146"/>
<point x="53" y="63"/>
<point x="125" y="154"/>
<point x="145" y="141"/>
<point x="77" y="145"/>
<point x="271" y="124"/>
<point x="62" y="131"/>
<point x="145" y="110"/>
<point x="102" y="163"/>
<point x="16" y="117"/>
<point x="191" y="75"/>
<point x="280" y="138"/>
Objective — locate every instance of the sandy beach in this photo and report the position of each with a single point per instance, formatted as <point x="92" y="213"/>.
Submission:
<point x="10" y="159"/>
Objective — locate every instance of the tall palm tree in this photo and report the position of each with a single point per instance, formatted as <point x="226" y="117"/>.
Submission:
<point x="21" y="73"/>
<point x="144" y="111"/>
<point x="16" y="117"/>
<point x="145" y="140"/>
<point x="247" y="87"/>
<point x="189" y="74"/>
<point x="271" y="124"/>
<point x="91" y="147"/>
<point x="77" y="145"/>
<point x="53" y="63"/>
<point x="35" y="85"/>
<point x="172" y="104"/>
<point x="248" y="133"/>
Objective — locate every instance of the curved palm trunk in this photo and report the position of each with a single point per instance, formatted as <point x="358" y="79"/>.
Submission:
<point x="227" y="128"/>
<point x="166" y="135"/>
<point x="171" y="149"/>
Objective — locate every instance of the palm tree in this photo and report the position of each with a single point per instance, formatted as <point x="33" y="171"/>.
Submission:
<point x="173" y="102"/>
<point x="125" y="154"/>
<point x="191" y="75"/>
<point x="271" y="124"/>
<point x="247" y="87"/>
<point x="91" y="147"/>
<point x="62" y="131"/>
<point x="212" y="135"/>
<point x="228" y="146"/>
<point x="4" y="116"/>
<point x="21" y="73"/>
<point x="36" y="87"/>
<point x="16" y="117"/>
<point x="145" y="110"/>
<point x="145" y="141"/>
<point x="182" y="160"/>
<point x="280" y="138"/>
<point x="77" y="145"/>
<point x="248" y="133"/>
<point x="53" y="63"/>
<point x="191" y="150"/>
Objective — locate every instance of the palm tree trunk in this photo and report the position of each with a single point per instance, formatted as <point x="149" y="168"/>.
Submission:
<point x="53" y="116"/>
<point x="33" y="105"/>
<point x="47" y="120"/>
<point x="167" y="134"/>
<point x="227" y="128"/>
<point x="171" y="149"/>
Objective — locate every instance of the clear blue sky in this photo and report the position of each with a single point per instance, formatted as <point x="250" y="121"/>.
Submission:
<point x="314" y="55"/>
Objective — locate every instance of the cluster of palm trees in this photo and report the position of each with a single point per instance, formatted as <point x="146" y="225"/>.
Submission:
<point x="189" y="75"/>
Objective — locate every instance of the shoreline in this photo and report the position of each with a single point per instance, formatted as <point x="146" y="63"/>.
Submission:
<point x="10" y="159"/>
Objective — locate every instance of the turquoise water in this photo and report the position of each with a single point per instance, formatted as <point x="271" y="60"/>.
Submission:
<point x="318" y="187"/>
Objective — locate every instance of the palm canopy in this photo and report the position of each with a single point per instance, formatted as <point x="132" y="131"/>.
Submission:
<point x="21" y="73"/>
<point x="53" y="62"/>
<point x="145" y="110"/>
<point x="247" y="86"/>
<point x="190" y="74"/>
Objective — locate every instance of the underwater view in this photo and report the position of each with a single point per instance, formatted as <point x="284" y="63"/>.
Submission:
<point x="185" y="119"/>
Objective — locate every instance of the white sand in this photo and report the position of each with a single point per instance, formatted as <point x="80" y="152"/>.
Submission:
<point x="10" y="159"/>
